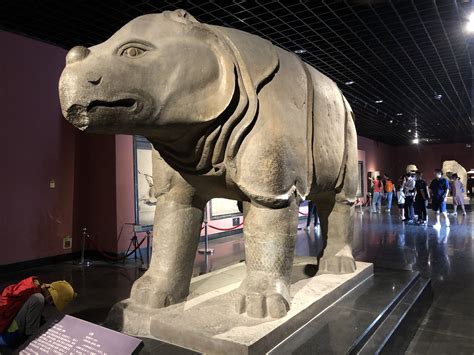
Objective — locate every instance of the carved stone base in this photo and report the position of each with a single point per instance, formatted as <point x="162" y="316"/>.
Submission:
<point x="207" y="321"/>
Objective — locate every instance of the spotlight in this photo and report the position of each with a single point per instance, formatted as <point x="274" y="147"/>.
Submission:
<point x="409" y="131"/>
<point x="350" y="82"/>
<point x="416" y="141"/>
<point x="399" y="114"/>
<point x="391" y="121"/>
<point x="438" y="96"/>
<point x="300" y="51"/>
<point x="470" y="24"/>
<point x="379" y="101"/>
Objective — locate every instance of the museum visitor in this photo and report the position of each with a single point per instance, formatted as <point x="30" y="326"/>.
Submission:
<point x="409" y="192"/>
<point x="22" y="304"/>
<point x="457" y="192"/>
<point x="439" y="187"/>
<point x="422" y="197"/>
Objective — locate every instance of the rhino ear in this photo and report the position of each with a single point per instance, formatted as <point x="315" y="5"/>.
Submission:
<point x="181" y="16"/>
<point x="201" y="79"/>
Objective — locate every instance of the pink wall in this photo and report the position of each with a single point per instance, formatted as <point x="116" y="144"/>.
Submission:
<point x="427" y="157"/>
<point x="430" y="157"/>
<point x="379" y="156"/>
<point x="95" y="189"/>
<point x="36" y="145"/>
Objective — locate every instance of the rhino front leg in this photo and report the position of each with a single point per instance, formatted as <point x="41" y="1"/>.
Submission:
<point x="269" y="236"/>
<point x="178" y="220"/>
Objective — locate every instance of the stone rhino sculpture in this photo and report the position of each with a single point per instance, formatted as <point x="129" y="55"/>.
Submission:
<point x="230" y="115"/>
<point x="452" y="166"/>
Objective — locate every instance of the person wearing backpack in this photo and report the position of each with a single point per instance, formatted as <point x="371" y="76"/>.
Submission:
<point x="389" y="191"/>
<point x="410" y="194"/>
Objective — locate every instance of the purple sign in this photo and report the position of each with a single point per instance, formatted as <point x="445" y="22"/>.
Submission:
<point x="70" y="335"/>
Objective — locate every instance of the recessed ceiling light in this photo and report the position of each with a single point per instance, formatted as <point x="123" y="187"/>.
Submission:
<point x="470" y="24"/>
<point x="350" y="82"/>
<point x="300" y="51"/>
<point x="438" y="96"/>
<point x="379" y="101"/>
<point x="399" y="114"/>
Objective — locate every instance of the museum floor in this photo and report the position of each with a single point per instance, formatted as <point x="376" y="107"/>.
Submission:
<point x="445" y="255"/>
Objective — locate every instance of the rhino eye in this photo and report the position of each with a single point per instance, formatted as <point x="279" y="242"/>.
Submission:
<point x="133" y="52"/>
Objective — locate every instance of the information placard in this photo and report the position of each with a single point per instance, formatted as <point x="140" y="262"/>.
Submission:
<point x="70" y="335"/>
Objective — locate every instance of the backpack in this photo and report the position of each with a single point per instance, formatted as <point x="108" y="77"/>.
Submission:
<point x="388" y="186"/>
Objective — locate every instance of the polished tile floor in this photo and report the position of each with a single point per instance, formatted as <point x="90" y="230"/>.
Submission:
<point x="446" y="255"/>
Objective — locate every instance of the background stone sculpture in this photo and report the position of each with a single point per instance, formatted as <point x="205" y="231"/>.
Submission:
<point x="452" y="166"/>
<point x="231" y="116"/>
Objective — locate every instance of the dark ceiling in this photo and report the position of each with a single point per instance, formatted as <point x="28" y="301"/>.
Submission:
<point x="405" y="53"/>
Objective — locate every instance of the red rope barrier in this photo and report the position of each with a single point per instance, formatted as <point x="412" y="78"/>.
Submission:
<point x="226" y="229"/>
<point x="238" y="226"/>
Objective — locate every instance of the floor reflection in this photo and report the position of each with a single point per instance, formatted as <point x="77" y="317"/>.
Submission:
<point x="379" y="238"/>
<point x="445" y="255"/>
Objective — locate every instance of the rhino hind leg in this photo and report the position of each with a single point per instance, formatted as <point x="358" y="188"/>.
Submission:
<point x="337" y="210"/>
<point x="269" y="236"/>
<point x="336" y="219"/>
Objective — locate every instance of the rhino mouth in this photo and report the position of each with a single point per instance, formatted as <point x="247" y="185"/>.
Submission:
<point x="122" y="103"/>
<point x="78" y="115"/>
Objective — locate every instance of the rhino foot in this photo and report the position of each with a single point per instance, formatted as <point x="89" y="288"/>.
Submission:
<point x="156" y="292"/>
<point x="341" y="263"/>
<point x="261" y="295"/>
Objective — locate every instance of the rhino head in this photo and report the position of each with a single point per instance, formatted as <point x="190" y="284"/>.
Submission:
<point x="161" y="75"/>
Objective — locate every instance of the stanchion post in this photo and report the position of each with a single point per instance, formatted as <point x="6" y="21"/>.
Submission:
<point x="84" y="232"/>
<point x="206" y="237"/>
<point x="148" y="236"/>
<point x="206" y="249"/>
<point x="83" y="261"/>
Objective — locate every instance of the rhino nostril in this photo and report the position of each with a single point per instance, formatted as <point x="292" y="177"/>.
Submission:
<point x="77" y="53"/>
<point x="94" y="78"/>
<point x="95" y="82"/>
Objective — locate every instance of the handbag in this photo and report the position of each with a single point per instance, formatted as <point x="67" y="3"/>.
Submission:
<point x="401" y="198"/>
